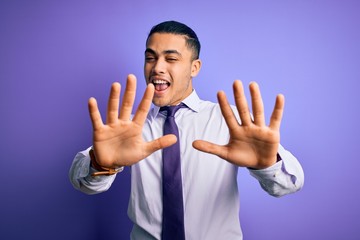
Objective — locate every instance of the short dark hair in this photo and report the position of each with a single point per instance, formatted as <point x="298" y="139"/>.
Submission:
<point x="178" y="28"/>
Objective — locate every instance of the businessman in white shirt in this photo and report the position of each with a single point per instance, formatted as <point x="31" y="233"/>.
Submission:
<point x="215" y="140"/>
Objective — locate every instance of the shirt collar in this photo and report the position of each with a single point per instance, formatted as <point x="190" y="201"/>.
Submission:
<point x="192" y="101"/>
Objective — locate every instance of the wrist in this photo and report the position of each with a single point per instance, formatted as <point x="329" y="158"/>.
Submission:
<point x="100" y="169"/>
<point x="278" y="158"/>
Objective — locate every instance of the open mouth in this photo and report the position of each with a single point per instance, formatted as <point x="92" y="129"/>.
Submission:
<point x="160" y="85"/>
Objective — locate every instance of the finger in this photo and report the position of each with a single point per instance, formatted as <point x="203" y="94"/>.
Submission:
<point x="95" y="115"/>
<point x="144" y="105"/>
<point x="129" y="98"/>
<point x="226" y="111"/>
<point x="257" y="104"/>
<point x="160" y="143"/>
<point x="241" y="103"/>
<point x="113" y="103"/>
<point x="211" y="148"/>
<point x="276" y="116"/>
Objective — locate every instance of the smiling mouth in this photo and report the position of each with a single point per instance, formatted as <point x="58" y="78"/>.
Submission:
<point x="160" y="85"/>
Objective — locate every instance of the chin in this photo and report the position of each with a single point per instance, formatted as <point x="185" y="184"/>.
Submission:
<point x="159" y="103"/>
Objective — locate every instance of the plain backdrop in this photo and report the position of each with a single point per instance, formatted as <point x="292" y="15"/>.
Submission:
<point x="54" y="55"/>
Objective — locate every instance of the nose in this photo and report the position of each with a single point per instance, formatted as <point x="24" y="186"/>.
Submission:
<point x="159" y="66"/>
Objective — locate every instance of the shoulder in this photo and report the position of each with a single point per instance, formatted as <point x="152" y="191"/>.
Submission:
<point x="212" y="106"/>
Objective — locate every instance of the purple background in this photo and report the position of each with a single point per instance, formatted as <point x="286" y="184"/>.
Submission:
<point x="54" y="55"/>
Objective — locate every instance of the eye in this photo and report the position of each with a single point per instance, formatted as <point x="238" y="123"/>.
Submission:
<point x="171" y="59"/>
<point x="149" y="58"/>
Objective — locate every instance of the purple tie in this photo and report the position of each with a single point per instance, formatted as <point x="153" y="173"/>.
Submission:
<point x="173" y="209"/>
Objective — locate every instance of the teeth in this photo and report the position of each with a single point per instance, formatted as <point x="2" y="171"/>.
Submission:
<point x="159" y="81"/>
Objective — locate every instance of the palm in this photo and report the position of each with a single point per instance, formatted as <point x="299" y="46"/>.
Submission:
<point x="247" y="146"/>
<point x="251" y="143"/>
<point x="119" y="142"/>
<point x="123" y="135"/>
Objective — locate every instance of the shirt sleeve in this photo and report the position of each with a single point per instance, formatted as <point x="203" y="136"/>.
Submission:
<point x="80" y="175"/>
<point x="284" y="177"/>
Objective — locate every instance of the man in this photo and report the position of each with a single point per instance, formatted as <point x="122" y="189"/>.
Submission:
<point x="214" y="140"/>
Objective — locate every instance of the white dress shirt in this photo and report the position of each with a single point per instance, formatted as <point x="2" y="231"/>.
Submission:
<point x="210" y="191"/>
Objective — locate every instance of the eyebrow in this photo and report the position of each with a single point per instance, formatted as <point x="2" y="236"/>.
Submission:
<point x="149" y="50"/>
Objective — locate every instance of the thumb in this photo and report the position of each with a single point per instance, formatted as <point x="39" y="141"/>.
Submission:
<point x="211" y="148"/>
<point x="160" y="143"/>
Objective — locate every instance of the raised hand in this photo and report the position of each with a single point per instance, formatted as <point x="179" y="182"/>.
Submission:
<point x="119" y="141"/>
<point x="252" y="143"/>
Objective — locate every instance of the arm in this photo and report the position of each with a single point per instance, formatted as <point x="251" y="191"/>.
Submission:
<point x="252" y="144"/>
<point x="284" y="177"/>
<point x="80" y="175"/>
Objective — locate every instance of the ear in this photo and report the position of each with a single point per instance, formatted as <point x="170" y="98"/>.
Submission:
<point x="195" y="67"/>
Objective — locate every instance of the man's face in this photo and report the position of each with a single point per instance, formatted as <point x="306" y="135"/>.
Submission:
<point x="169" y="66"/>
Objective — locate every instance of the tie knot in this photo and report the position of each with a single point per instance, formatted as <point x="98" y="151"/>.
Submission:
<point x="171" y="110"/>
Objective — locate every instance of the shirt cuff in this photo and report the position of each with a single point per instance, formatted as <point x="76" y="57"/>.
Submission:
<point x="269" y="172"/>
<point x="285" y="176"/>
<point x="80" y="174"/>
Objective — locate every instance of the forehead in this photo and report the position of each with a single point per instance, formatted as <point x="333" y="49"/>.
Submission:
<point x="161" y="42"/>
